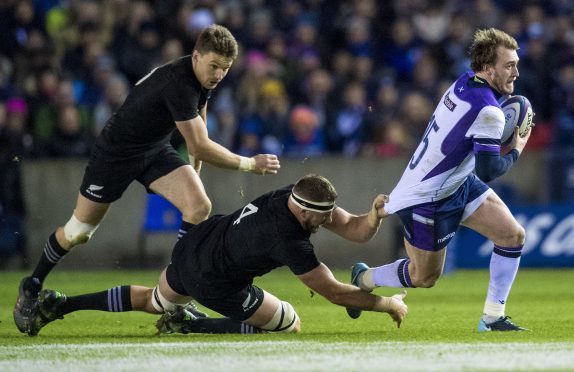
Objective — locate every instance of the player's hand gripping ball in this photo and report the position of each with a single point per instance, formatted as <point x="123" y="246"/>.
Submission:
<point x="517" y="112"/>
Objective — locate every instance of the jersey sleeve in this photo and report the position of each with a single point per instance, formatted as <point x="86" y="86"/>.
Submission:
<point x="487" y="129"/>
<point x="182" y="101"/>
<point x="489" y="123"/>
<point x="298" y="255"/>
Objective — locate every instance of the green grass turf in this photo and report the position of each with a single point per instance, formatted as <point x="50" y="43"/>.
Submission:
<point x="542" y="300"/>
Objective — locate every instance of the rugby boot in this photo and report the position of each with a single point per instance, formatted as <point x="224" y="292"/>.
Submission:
<point x="192" y="308"/>
<point x="26" y="303"/>
<point x="356" y="270"/>
<point x="502" y="324"/>
<point x="176" y="321"/>
<point x="47" y="310"/>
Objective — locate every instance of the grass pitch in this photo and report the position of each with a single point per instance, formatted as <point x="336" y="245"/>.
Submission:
<point x="438" y="334"/>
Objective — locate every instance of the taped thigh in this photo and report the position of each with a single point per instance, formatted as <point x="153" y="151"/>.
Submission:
<point x="284" y="320"/>
<point x="160" y="303"/>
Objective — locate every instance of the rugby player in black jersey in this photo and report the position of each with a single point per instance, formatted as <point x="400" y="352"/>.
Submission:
<point x="215" y="264"/>
<point x="134" y="145"/>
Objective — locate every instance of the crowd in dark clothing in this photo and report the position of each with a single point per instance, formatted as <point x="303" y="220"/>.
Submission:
<point x="314" y="77"/>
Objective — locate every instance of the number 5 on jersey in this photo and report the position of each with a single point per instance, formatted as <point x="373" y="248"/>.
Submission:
<point x="432" y="125"/>
<point x="246" y="211"/>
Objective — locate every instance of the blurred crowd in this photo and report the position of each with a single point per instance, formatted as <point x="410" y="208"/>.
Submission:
<point x="314" y="77"/>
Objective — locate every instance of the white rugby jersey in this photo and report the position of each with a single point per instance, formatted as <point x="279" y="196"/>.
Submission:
<point x="467" y="119"/>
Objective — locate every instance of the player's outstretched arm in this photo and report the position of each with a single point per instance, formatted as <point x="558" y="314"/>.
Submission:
<point x="322" y="281"/>
<point x="359" y="228"/>
<point x="202" y="148"/>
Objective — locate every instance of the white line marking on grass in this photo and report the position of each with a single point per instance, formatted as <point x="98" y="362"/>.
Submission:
<point x="287" y="355"/>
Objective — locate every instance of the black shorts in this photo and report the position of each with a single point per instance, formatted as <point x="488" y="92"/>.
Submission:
<point x="107" y="177"/>
<point x="238" y="303"/>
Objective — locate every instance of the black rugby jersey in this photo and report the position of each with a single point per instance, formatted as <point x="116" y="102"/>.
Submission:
<point x="252" y="241"/>
<point x="147" y="118"/>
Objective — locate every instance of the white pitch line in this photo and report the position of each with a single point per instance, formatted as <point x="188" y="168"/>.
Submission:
<point x="287" y="355"/>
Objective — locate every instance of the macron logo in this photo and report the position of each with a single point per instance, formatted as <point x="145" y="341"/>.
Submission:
<point x="448" y="236"/>
<point x="92" y="188"/>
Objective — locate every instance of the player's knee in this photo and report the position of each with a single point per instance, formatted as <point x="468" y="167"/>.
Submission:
<point x="520" y="235"/>
<point x="513" y="237"/>
<point x="285" y="320"/>
<point x="77" y="232"/>
<point x="198" y="211"/>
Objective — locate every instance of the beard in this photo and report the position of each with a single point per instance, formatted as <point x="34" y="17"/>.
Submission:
<point x="311" y="228"/>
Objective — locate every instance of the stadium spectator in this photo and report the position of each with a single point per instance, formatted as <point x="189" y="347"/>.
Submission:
<point x="215" y="264"/>
<point x="269" y="121"/>
<point x="116" y="91"/>
<point x="256" y="71"/>
<point x="45" y="119"/>
<point x="134" y="145"/>
<point x="17" y="22"/>
<point x="140" y="52"/>
<point x="318" y="93"/>
<point x="402" y="51"/>
<point x="6" y="83"/>
<point x="171" y="49"/>
<point x="305" y="137"/>
<point x="69" y="140"/>
<point x="345" y="132"/>
<point x="351" y="41"/>
<point x="444" y="185"/>
<point x="415" y="111"/>
<point x="15" y="145"/>
<point x="389" y="138"/>
<point x="561" y="164"/>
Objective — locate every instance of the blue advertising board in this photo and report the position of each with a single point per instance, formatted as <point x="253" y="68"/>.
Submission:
<point x="549" y="239"/>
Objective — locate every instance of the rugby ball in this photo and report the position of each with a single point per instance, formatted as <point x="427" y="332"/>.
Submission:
<point x="517" y="112"/>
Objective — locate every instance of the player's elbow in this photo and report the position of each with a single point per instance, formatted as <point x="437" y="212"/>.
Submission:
<point x="484" y="174"/>
<point x="198" y="151"/>
<point x="365" y="237"/>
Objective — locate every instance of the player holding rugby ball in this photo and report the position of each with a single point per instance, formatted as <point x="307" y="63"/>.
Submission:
<point x="444" y="185"/>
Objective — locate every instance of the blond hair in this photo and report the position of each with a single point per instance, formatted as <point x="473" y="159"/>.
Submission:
<point x="485" y="45"/>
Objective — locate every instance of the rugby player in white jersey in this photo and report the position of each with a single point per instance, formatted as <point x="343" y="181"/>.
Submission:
<point x="444" y="186"/>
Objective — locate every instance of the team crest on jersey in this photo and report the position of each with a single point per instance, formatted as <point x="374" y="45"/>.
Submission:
<point x="449" y="103"/>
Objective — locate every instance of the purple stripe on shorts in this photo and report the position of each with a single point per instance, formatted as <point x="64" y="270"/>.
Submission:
<point x="424" y="232"/>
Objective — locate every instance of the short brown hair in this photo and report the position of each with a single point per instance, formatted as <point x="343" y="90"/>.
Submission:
<point x="484" y="47"/>
<point x="315" y="188"/>
<point x="217" y="39"/>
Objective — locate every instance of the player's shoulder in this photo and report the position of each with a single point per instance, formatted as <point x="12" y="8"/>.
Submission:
<point x="491" y="114"/>
<point x="180" y="72"/>
<point x="475" y="90"/>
